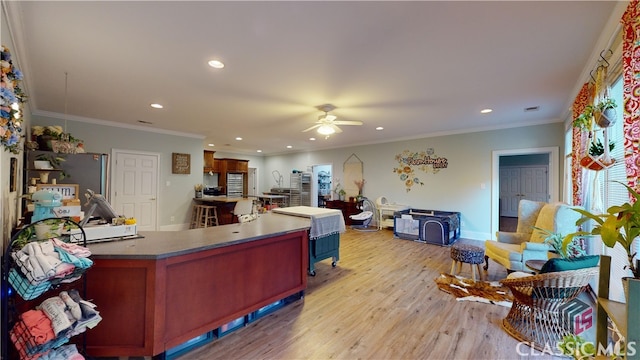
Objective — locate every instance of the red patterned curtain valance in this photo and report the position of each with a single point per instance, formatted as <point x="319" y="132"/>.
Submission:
<point x="580" y="141"/>
<point x="631" y="91"/>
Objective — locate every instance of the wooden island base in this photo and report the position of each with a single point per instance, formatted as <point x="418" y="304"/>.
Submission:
<point x="151" y="305"/>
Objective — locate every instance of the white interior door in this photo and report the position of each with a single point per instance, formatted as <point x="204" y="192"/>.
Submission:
<point x="534" y="184"/>
<point x="135" y="187"/>
<point x="509" y="191"/>
<point x="522" y="182"/>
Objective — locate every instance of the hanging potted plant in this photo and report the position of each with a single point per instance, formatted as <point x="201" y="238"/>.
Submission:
<point x="605" y="113"/>
<point x="594" y="161"/>
<point x="584" y="121"/>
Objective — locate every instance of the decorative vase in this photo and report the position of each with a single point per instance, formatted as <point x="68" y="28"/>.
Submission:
<point x="44" y="177"/>
<point x="198" y="194"/>
<point x="42" y="165"/>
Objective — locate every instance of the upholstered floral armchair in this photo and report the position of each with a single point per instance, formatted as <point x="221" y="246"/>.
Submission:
<point x="513" y="249"/>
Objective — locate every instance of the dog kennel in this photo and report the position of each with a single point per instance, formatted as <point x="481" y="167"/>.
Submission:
<point x="428" y="226"/>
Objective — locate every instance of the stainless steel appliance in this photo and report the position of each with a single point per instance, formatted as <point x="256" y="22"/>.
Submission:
<point x="88" y="170"/>
<point x="235" y="184"/>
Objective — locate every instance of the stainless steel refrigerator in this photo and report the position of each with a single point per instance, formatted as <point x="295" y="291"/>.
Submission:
<point x="88" y="170"/>
<point x="235" y="184"/>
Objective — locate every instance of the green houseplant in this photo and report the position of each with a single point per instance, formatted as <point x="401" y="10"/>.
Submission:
<point x="555" y="240"/>
<point x="620" y="224"/>
<point x="56" y="161"/>
<point x="605" y="113"/>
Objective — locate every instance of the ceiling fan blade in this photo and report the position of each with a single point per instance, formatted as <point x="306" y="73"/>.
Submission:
<point x="348" y="122"/>
<point x="337" y="129"/>
<point x="311" y="128"/>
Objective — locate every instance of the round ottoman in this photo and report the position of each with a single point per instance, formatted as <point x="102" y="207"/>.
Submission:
<point x="467" y="254"/>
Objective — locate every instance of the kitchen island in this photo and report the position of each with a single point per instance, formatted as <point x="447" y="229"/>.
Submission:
<point x="162" y="290"/>
<point x="224" y="206"/>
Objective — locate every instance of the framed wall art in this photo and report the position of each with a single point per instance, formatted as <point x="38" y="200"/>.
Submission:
<point x="180" y="163"/>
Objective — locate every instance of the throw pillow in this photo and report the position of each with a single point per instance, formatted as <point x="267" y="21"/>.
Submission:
<point x="560" y="264"/>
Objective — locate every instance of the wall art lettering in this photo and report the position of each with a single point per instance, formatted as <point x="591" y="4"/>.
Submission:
<point x="409" y="162"/>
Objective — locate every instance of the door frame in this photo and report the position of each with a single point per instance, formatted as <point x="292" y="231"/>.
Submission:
<point x="314" y="181"/>
<point x="113" y="178"/>
<point x="554" y="181"/>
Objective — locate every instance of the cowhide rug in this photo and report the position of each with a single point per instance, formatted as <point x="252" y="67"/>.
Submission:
<point x="481" y="291"/>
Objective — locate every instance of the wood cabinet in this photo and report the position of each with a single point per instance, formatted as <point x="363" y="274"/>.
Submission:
<point x="347" y="207"/>
<point x="210" y="164"/>
<point x="624" y="316"/>
<point x="152" y="305"/>
<point x="234" y="165"/>
<point x="224" y="166"/>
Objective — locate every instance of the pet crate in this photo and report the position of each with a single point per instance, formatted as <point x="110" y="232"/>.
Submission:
<point x="428" y="226"/>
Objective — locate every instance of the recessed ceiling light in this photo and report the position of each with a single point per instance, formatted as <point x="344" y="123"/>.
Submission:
<point x="157" y="106"/>
<point x="238" y="138"/>
<point x="216" y="64"/>
<point x="289" y="147"/>
<point x="312" y="139"/>
<point x="258" y="150"/>
<point x="379" y="128"/>
<point x="486" y="111"/>
<point x="211" y="144"/>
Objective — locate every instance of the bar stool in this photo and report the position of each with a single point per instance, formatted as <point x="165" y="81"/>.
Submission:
<point x="196" y="214"/>
<point x="208" y="216"/>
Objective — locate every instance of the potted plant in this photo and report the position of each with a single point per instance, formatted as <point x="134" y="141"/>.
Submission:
<point x="605" y="113"/>
<point x="577" y="347"/>
<point x="198" y="189"/>
<point x="584" y="121"/>
<point x="555" y="240"/>
<point x="593" y="160"/>
<point x="620" y="224"/>
<point x="55" y="163"/>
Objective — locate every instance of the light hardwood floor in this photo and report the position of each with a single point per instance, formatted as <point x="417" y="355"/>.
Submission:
<point x="380" y="302"/>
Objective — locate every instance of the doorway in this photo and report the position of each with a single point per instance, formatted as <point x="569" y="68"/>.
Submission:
<point x="321" y="186"/>
<point x="134" y="191"/>
<point x="252" y="183"/>
<point x="538" y="174"/>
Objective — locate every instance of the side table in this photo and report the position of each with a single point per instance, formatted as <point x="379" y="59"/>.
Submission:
<point x="535" y="265"/>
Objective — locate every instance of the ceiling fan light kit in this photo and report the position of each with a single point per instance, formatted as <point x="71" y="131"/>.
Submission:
<point x="326" y="130"/>
<point x="327" y="123"/>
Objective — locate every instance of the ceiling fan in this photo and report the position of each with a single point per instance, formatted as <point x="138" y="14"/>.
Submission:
<point x="327" y="123"/>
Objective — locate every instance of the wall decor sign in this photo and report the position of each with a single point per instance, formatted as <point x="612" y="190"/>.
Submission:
<point x="180" y="163"/>
<point x="410" y="161"/>
<point x="68" y="191"/>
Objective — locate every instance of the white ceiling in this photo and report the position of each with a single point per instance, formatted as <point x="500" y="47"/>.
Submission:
<point x="415" y="68"/>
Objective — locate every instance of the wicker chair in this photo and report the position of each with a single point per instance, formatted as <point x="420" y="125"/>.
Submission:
<point x="535" y="316"/>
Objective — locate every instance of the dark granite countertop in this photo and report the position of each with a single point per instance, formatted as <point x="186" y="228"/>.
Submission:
<point x="164" y="244"/>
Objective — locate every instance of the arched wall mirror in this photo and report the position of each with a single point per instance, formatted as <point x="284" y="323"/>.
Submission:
<point x="352" y="172"/>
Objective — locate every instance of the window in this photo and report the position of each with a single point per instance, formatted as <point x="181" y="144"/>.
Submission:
<point x="613" y="193"/>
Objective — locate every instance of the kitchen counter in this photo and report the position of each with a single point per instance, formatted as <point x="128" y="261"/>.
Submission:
<point x="224" y="206"/>
<point x="218" y="198"/>
<point x="164" y="244"/>
<point x="163" y="290"/>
